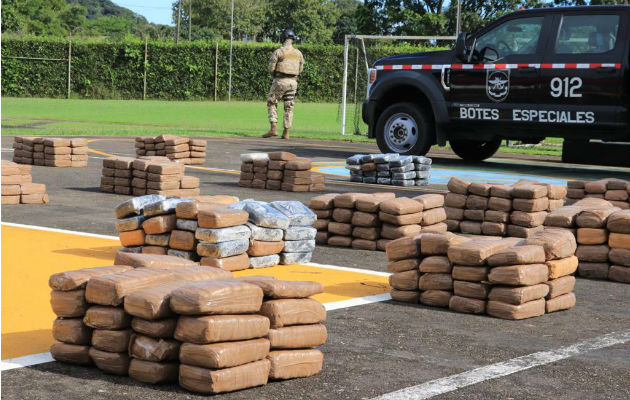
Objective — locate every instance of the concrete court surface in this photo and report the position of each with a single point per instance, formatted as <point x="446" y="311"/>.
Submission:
<point x="372" y="349"/>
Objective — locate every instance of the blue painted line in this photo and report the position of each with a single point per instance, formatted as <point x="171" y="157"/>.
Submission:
<point x="442" y="176"/>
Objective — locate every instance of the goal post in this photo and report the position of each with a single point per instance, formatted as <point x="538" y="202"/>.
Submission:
<point x="359" y="42"/>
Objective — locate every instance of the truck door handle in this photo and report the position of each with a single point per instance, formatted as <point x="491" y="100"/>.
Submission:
<point x="444" y="78"/>
<point x="605" y="70"/>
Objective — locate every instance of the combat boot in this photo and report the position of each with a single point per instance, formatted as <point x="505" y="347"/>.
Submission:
<point x="285" y="133"/>
<point x="273" y="131"/>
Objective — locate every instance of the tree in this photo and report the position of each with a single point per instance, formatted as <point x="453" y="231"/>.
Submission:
<point x="313" y="20"/>
<point x="347" y="21"/>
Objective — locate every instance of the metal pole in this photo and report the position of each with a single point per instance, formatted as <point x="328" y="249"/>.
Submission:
<point x="458" y="24"/>
<point x="189" y="20"/>
<point x="367" y="67"/>
<point x="216" y="69"/>
<point x="69" y="65"/>
<point x="179" y="17"/>
<point x="356" y="75"/>
<point x="345" y="83"/>
<point x="144" y="88"/>
<point x="231" y="40"/>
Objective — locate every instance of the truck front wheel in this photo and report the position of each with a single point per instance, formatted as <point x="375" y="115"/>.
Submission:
<point x="404" y="128"/>
<point x="471" y="150"/>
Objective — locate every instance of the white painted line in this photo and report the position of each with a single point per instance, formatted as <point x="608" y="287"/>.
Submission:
<point x="25" y="361"/>
<point x="359" y="301"/>
<point x="42" y="228"/>
<point x="451" y="383"/>
<point x="349" y="269"/>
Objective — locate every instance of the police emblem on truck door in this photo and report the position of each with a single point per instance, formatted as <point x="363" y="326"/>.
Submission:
<point x="498" y="84"/>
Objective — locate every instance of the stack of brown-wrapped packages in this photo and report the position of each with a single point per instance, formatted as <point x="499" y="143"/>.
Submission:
<point x="507" y="278"/>
<point x="176" y="148"/>
<point x="279" y="170"/>
<point x="616" y="191"/>
<point x="50" y="152"/>
<point x="296" y="326"/>
<point x="165" y="319"/>
<point x="602" y="231"/>
<point x="147" y="175"/>
<point x="500" y="210"/>
<point x="18" y="186"/>
<point x="370" y="221"/>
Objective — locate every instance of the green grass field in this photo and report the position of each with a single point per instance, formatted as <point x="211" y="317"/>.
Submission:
<point x="58" y="117"/>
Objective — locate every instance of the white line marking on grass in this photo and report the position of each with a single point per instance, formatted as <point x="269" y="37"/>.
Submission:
<point x="359" y="301"/>
<point x="25" y="361"/>
<point x="42" y="228"/>
<point x="451" y="383"/>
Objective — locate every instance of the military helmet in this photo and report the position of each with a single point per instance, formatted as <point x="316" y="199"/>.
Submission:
<point x="287" y="34"/>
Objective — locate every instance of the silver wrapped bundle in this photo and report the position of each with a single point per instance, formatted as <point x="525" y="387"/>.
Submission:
<point x="403" y="182"/>
<point x="188" y="255"/>
<point x="163" y="207"/>
<point x="402" y="160"/>
<point x="187" y="224"/>
<point x="422" y="167"/>
<point x="219" y="235"/>
<point x="263" y="214"/>
<point x="354" y="178"/>
<point x="250" y="157"/>
<point x="295" y="258"/>
<point x="136" y="205"/>
<point x="300" y="233"/>
<point x="223" y="249"/>
<point x="135" y="249"/>
<point x="404" y="175"/>
<point x="298" y="213"/>
<point x="157" y="240"/>
<point x="422" y="182"/>
<point x="265" y="234"/>
<point x="384" y="181"/>
<point x="264" y="261"/>
<point x="130" y="224"/>
<point x="382" y="167"/>
<point x="422" y="160"/>
<point x="299" y="246"/>
<point x="369" y="179"/>
<point x="353" y="167"/>
<point x="383" y="174"/>
<point x="404" y="168"/>
<point x="386" y="158"/>
<point x="354" y="160"/>
<point x="423" y="174"/>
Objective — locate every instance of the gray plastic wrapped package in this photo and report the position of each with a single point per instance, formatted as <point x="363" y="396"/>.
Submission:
<point x="250" y="157"/>
<point x="402" y="160"/>
<point x="368" y="158"/>
<point x="422" y="167"/>
<point x="423" y="174"/>
<point x="355" y="178"/>
<point x="300" y="233"/>
<point x="382" y="167"/>
<point x="163" y="207"/>
<point x="369" y="179"/>
<point x="356" y="173"/>
<point x="404" y="175"/>
<point x="295" y="258"/>
<point x="383" y="174"/>
<point x="134" y="249"/>
<point x="404" y="182"/>
<point x="355" y="159"/>
<point x="136" y="205"/>
<point x="223" y="249"/>
<point x="187" y="224"/>
<point x="422" y="160"/>
<point x="404" y="168"/>
<point x="265" y="234"/>
<point x="130" y="224"/>
<point x="264" y="261"/>
<point x="299" y="246"/>
<point x="157" y="240"/>
<point x="385" y="158"/>
<point x="240" y="205"/>
<point x="298" y="213"/>
<point x="263" y="214"/>
<point x="369" y="173"/>
<point x="188" y="255"/>
<point x="353" y="167"/>
<point x="223" y="234"/>
<point x="422" y="182"/>
<point x="384" y="181"/>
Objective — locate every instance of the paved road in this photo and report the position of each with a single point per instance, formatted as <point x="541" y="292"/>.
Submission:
<point x="372" y="349"/>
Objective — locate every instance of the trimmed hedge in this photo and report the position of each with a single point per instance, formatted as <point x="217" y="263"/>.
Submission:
<point x="174" y="72"/>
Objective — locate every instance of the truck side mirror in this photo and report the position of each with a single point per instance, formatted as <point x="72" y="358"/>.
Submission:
<point x="462" y="52"/>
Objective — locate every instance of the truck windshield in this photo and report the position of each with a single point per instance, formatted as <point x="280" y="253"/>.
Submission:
<point x="517" y="36"/>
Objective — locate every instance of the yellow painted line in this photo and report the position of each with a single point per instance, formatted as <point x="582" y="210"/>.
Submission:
<point x="31" y="254"/>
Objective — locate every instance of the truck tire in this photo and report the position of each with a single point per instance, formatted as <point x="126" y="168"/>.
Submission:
<point x="404" y="128"/>
<point x="472" y="150"/>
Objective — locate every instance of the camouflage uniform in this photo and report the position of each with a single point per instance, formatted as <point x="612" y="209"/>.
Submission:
<point x="286" y="65"/>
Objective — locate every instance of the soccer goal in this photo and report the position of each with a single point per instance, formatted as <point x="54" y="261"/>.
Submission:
<point x="359" y="53"/>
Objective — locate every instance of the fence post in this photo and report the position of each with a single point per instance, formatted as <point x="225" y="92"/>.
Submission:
<point x="69" y="65"/>
<point x="216" y="69"/>
<point x="144" y="88"/>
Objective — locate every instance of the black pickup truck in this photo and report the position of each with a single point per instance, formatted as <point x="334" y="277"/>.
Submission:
<point x="549" y="72"/>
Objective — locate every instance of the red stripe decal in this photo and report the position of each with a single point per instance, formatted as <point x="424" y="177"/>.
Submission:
<point x="523" y="65"/>
<point x="570" y="66"/>
<point x="478" y="66"/>
<point x="406" y="66"/>
<point x="595" y="65"/>
<point x="387" y="66"/>
<point x="617" y="65"/>
<point x="546" y="66"/>
<point x="456" y="66"/>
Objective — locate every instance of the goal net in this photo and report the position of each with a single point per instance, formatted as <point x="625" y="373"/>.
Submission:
<point x="360" y="52"/>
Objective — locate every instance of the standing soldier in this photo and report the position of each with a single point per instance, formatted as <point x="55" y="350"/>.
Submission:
<point x="286" y="65"/>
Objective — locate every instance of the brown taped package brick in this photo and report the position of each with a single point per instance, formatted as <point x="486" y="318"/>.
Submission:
<point x="403" y="248"/>
<point x="71" y="331"/>
<point x="68" y="304"/>
<point x="467" y="305"/>
<point x="105" y="317"/>
<point x="530" y="309"/>
<point x="279" y="289"/>
<point x="518" y="295"/>
<point x="220" y="328"/>
<point x="111" y="289"/>
<point x="405" y="296"/>
<point x="527" y="254"/>
<point x="400" y="220"/>
<point x="222" y="218"/>
<point x="153" y="372"/>
<point x="405" y="280"/>
<point x="233" y="263"/>
<point x="562" y="266"/>
<point x="474" y="290"/>
<point x="389" y="231"/>
<point x="285" y="312"/>
<point x="221" y="297"/>
<point x="459" y="186"/>
<point x="340" y="241"/>
<point x="436" y="264"/>
<point x="113" y="341"/>
<point x="208" y="381"/>
<point x="560" y="286"/>
<point x="364" y="244"/>
<point x="403" y="265"/>
<point x="470" y="273"/>
<point x="225" y="354"/>
<point x="162" y="329"/>
<point x="112" y="363"/>
<point x="434" y="281"/>
<point x="71" y="353"/>
<point x="400" y="206"/>
<point x="593" y="270"/>
<point x="342" y="215"/>
<point x="563" y="302"/>
<point x="150" y="349"/>
<point x="131" y="238"/>
<point x="72" y="280"/>
<point x="298" y="336"/>
<point x="289" y="364"/>
<point x="436" y="298"/>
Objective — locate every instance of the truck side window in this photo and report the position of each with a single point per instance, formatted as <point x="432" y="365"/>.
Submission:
<point x="590" y="34"/>
<point x="517" y="36"/>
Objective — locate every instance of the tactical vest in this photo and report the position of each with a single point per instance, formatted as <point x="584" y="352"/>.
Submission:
<point x="289" y="61"/>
